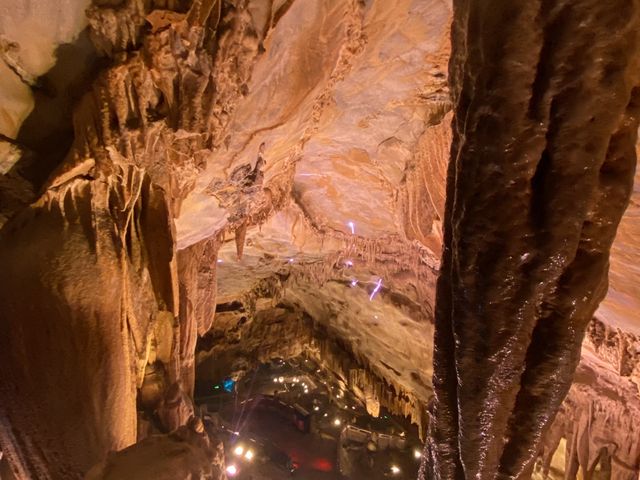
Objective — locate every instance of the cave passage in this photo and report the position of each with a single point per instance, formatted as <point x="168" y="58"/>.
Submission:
<point x="294" y="416"/>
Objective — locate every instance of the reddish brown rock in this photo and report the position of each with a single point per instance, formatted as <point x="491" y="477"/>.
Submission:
<point x="543" y="158"/>
<point x="189" y="452"/>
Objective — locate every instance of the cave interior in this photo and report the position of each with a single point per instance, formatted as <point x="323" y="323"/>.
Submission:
<point x="325" y="239"/>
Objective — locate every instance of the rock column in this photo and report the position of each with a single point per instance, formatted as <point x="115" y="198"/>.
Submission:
<point x="542" y="162"/>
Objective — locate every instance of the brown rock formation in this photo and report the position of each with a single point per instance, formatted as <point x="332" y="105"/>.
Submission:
<point x="619" y="349"/>
<point x="598" y="419"/>
<point x="91" y="312"/>
<point x="91" y="272"/>
<point x="197" y="282"/>
<point x="189" y="452"/>
<point x="545" y="126"/>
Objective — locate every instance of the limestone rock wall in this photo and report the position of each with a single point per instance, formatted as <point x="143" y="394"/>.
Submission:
<point x="361" y="375"/>
<point x="598" y="421"/>
<point x="198" y="286"/>
<point x="90" y="310"/>
<point x="542" y="168"/>
<point x="89" y="299"/>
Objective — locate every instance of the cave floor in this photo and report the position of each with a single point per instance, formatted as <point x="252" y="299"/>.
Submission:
<point x="330" y="437"/>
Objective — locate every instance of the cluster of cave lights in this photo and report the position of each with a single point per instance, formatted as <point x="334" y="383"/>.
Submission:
<point x="349" y="263"/>
<point x="245" y="454"/>
<point x="239" y="451"/>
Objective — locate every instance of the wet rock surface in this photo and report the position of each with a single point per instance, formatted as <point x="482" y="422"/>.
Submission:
<point x="525" y="264"/>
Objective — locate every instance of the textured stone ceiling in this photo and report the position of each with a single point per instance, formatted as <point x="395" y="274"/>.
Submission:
<point x="350" y="121"/>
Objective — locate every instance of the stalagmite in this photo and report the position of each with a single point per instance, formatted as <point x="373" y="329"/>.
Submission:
<point x="189" y="452"/>
<point x="546" y="101"/>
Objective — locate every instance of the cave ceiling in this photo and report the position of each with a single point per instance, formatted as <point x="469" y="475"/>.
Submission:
<point x="342" y="119"/>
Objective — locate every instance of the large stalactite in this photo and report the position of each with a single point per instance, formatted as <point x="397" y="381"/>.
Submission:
<point x="543" y="157"/>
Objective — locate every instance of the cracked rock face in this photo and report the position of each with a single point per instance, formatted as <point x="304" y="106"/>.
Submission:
<point x="249" y="179"/>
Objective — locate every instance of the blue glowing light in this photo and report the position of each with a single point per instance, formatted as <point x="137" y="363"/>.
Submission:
<point x="229" y="385"/>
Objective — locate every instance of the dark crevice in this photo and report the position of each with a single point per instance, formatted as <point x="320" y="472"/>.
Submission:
<point x="537" y="211"/>
<point x="277" y="15"/>
<point x="234" y="306"/>
<point x="48" y="130"/>
<point x="12" y="141"/>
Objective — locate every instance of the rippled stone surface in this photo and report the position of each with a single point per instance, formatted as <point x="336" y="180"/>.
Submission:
<point x="542" y="168"/>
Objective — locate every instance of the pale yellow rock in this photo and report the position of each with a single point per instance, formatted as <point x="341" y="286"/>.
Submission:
<point x="16" y="102"/>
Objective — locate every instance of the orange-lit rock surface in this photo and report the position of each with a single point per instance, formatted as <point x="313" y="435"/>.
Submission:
<point x="283" y="160"/>
<point x="597" y="418"/>
<point x="621" y="306"/>
<point x="188" y="452"/>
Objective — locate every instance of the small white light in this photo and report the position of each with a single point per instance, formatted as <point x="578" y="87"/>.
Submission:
<point x="249" y="455"/>
<point x="353" y="408"/>
<point x="352" y="226"/>
<point x="306" y="390"/>
<point x="232" y="470"/>
<point x="316" y="408"/>
<point x="375" y="290"/>
<point x="395" y="469"/>
<point x="337" y="422"/>
<point x="219" y="260"/>
<point x="349" y="263"/>
<point x="326" y="415"/>
<point x="281" y="379"/>
<point x="291" y="260"/>
<point x="275" y="380"/>
<point x="238" y="450"/>
<point x="354" y="283"/>
<point x="417" y="454"/>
